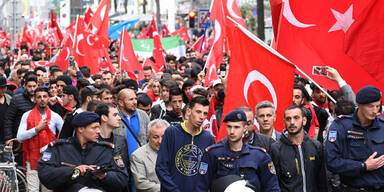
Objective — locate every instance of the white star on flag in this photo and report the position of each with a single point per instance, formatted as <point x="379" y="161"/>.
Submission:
<point x="343" y="21"/>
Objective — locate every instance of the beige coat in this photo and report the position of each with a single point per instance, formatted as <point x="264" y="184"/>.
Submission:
<point x="143" y="163"/>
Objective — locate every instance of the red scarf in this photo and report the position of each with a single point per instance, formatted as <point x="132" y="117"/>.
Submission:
<point x="314" y="122"/>
<point x="32" y="146"/>
<point x="324" y="105"/>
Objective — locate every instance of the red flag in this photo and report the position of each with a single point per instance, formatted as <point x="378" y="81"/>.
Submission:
<point x="164" y="31"/>
<point x="3" y="34"/>
<point x="182" y="32"/>
<point x="313" y="36"/>
<point x="155" y="68"/>
<point x="101" y="18"/>
<point x="276" y="6"/>
<point x="201" y="44"/>
<point x="41" y="64"/>
<point x="55" y="26"/>
<point x="217" y="15"/>
<point x="152" y="28"/>
<point x="143" y="34"/>
<point x="127" y="58"/>
<point x="364" y="41"/>
<point x="62" y="59"/>
<point x="231" y="10"/>
<point x="88" y="15"/>
<point x="254" y="75"/>
<point x="211" y="117"/>
<point x="158" y="50"/>
<point x="50" y="37"/>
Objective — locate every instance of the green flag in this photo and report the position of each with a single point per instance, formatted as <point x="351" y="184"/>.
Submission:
<point x="172" y="45"/>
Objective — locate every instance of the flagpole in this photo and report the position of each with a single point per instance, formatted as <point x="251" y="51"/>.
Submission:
<point x="259" y="41"/>
<point x="75" y="35"/>
<point x="121" y="50"/>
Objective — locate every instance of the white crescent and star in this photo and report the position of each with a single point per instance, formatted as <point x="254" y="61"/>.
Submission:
<point x="79" y="38"/>
<point x="343" y="21"/>
<point x="257" y="76"/>
<point x="230" y="10"/>
<point x="68" y="52"/>
<point x="89" y="40"/>
<point x="217" y="31"/>
<point x="287" y="12"/>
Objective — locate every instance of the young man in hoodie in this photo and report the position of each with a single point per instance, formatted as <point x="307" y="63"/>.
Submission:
<point x="182" y="148"/>
<point x="298" y="159"/>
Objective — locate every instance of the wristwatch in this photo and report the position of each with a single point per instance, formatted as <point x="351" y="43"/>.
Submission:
<point x="75" y="174"/>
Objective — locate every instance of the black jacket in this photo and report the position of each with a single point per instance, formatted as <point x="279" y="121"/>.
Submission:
<point x="172" y="118"/>
<point x="56" y="166"/>
<point x="20" y="104"/>
<point x="287" y="160"/>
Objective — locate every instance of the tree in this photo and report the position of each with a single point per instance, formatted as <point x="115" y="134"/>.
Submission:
<point x="158" y="11"/>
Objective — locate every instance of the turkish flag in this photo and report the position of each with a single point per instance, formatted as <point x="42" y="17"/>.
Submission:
<point x="3" y="34"/>
<point x="62" y="59"/>
<point x="158" y="50"/>
<point x="231" y="9"/>
<point x="152" y="28"/>
<point x="201" y="44"/>
<point x="50" y="37"/>
<point x="256" y="74"/>
<point x="155" y="68"/>
<point x="101" y="18"/>
<point x="364" y="41"/>
<point x="55" y="26"/>
<point x="41" y="64"/>
<point x="127" y="58"/>
<point x="143" y="34"/>
<point x="276" y="6"/>
<point x="183" y="33"/>
<point x="311" y="33"/>
<point x="211" y="117"/>
<point x="87" y="18"/>
<point x="164" y="31"/>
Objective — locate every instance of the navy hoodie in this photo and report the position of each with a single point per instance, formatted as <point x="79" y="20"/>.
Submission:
<point x="178" y="159"/>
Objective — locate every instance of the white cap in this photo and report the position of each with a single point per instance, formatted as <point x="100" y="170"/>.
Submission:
<point x="216" y="82"/>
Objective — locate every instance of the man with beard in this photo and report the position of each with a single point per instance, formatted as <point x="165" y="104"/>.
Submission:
<point x="38" y="127"/>
<point x="299" y="160"/>
<point x="182" y="147"/>
<point x="237" y="158"/>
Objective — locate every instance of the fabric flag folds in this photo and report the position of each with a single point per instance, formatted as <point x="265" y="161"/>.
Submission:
<point x="172" y="45"/>
<point x="182" y="32"/>
<point x="256" y="74"/>
<point x="127" y="58"/>
<point x="311" y="33"/>
<point x="364" y="41"/>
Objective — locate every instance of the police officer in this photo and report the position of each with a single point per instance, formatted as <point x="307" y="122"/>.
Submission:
<point x="355" y="144"/>
<point x="237" y="158"/>
<point x="82" y="162"/>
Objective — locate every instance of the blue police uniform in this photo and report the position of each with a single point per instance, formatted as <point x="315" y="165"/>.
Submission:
<point x="349" y="145"/>
<point x="251" y="163"/>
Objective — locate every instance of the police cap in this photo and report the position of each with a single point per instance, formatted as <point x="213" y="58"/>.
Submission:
<point x="85" y="118"/>
<point x="235" y="116"/>
<point x="368" y="94"/>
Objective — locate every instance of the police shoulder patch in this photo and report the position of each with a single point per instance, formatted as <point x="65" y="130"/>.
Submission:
<point x="119" y="161"/>
<point x="108" y="144"/>
<point x="203" y="168"/>
<point x="332" y="135"/>
<point x="213" y="146"/>
<point x="271" y="168"/>
<point x="46" y="156"/>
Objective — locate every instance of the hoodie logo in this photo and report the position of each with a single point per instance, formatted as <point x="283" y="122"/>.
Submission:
<point x="187" y="160"/>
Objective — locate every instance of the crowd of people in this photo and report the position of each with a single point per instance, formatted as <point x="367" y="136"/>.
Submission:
<point x="76" y="131"/>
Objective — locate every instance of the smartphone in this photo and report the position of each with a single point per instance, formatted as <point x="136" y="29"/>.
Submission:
<point x="71" y="61"/>
<point x="319" y="70"/>
<point x="223" y="70"/>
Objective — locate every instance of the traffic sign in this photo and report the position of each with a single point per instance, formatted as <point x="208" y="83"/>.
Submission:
<point x="203" y="18"/>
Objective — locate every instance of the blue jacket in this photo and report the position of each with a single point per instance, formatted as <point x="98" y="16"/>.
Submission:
<point x="349" y="145"/>
<point x="179" y="158"/>
<point x="252" y="163"/>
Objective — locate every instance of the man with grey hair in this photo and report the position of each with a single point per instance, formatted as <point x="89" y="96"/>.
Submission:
<point x="143" y="160"/>
<point x="265" y="117"/>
